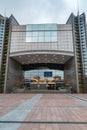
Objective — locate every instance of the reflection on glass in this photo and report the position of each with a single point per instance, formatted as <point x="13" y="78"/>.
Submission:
<point x="35" y="34"/>
<point x="41" y="33"/>
<point x="34" y="39"/>
<point x="1" y="35"/>
<point x="29" y="27"/>
<point x="40" y="72"/>
<point x="53" y="39"/>
<point x="29" y="34"/>
<point x="47" y="33"/>
<point x="50" y="26"/>
<point x="35" y="27"/>
<point x="29" y="39"/>
<point x="47" y="39"/>
<point x="42" y="36"/>
<point x="41" y="39"/>
<point x="54" y="33"/>
<point x="39" y="27"/>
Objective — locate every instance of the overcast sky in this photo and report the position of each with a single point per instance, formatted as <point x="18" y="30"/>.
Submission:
<point x="41" y="11"/>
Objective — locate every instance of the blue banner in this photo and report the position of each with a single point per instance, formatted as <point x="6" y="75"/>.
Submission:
<point x="48" y="74"/>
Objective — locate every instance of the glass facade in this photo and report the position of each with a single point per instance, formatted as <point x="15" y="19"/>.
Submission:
<point x="83" y="43"/>
<point x="1" y="40"/>
<point x="44" y="76"/>
<point x="41" y="33"/>
<point x="1" y="34"/>
<point x="65" y="38"/>
<point x="40" y="72"/>
<point x="41" y="37"/>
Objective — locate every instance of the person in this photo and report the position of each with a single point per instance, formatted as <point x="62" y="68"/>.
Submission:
<point x="70" y="89"/>
<point x="38" y="85"/>
<point x="57" y="86"/>
<point x="48" y="86"/>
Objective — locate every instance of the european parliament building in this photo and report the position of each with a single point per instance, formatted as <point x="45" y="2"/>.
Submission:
<point x="37" y="55"/>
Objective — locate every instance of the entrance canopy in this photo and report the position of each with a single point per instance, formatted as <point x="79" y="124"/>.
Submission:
<point x="42" y="58"/>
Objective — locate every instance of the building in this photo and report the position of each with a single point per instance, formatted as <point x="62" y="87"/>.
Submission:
<point x="43" y="48"/>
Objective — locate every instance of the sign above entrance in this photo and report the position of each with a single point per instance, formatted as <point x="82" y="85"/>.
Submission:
<point x="47" y="74"/>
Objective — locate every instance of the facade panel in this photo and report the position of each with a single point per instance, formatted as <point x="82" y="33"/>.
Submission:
<point x="45" y="37"/>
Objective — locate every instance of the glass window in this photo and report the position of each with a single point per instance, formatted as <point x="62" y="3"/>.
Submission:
<point x="41" y="27"/>
<point x="54" y="27"/>
<point x="29" y="39"/>
<point x="39" y="72"/>
<point x="35" y="39"/>
<point x="35" y="34"/>
<point x="54" y="33"/>
<point x="29" y="27"/>
<point x="29" y="34"/>
<point x="50" y="26"/>
<point x="54" y="39"/>
<point x="35" y="27"/>
<point x="41" y="33"/>
<point x="47" y="39"/>
<point x="47" y="26"/>
<point x="1" y="35"/>
<point x="41" y="39"/>
<point x="47" y="33"/>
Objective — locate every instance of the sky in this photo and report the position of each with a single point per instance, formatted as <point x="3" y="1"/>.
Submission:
<point x="42" y="11"/>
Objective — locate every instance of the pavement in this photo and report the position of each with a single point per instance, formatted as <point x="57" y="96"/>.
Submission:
<point x="43" y="111"/>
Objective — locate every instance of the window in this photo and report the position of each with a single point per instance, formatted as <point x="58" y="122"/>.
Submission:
<point x="41" y="33"/>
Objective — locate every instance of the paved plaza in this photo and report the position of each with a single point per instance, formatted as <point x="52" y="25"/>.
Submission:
<point x="43" y="111"/>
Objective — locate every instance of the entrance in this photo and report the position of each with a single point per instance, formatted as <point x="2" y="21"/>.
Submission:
<point x="43" y="79"/>
<point x="51" y="86"/>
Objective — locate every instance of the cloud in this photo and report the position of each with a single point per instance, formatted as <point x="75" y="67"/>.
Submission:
<point x="41" y="11"/>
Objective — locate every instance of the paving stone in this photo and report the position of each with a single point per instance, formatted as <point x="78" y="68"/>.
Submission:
<point x="18" y="114"/>
<point x="43" y="112"/>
